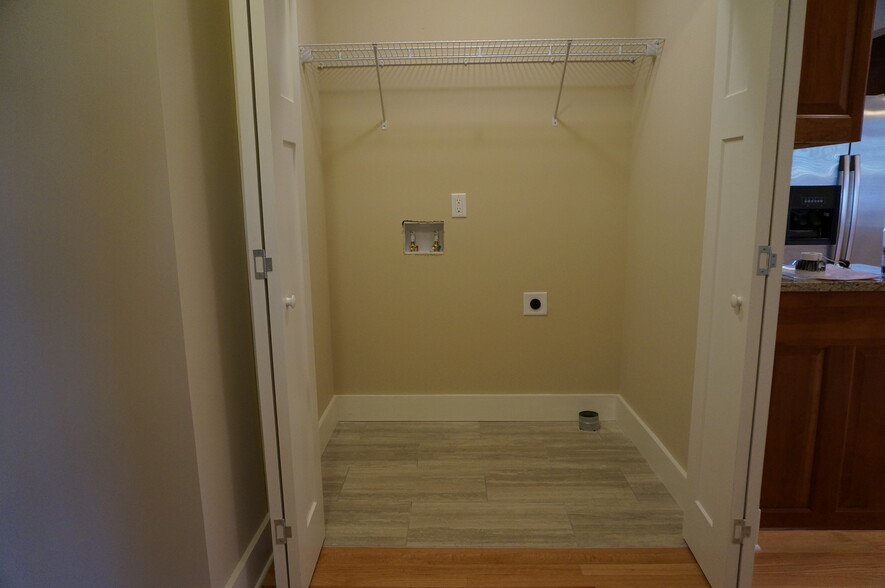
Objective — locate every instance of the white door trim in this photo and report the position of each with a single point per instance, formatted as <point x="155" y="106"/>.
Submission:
<point x="242" y="56"/>
<point x="268" y="123"/>
<point x="784" y="160"/>
<point x="278" y="120"/>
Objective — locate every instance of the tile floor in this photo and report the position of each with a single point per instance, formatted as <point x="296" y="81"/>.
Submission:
<point x="492" y="484"/>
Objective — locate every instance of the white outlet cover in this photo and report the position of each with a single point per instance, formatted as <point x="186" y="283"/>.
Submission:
<point x="459" y="205"/>
<point x="528" y="297"/>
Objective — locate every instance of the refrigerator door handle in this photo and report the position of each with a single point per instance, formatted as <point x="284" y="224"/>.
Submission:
<point x="844" y="207"/>
<point x="854" y="175"/>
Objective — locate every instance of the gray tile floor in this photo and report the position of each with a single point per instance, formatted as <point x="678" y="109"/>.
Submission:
<point x="492" y="484"/>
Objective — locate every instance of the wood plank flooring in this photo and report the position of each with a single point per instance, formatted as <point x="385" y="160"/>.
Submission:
<point x="340" y="567"/>
<point x="492" y="484"/>
<point x="836" y="559"/>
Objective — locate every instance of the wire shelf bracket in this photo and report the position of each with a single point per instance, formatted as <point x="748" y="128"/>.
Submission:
<point x="565" y="51"/>
<point x="568" y="49"/>
<point x="380" y="91"/>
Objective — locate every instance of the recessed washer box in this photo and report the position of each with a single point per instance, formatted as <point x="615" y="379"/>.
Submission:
<point x="423" y="237"/>
<point x="534" y="303"/>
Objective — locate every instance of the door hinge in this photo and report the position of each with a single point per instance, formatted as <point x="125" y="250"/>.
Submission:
<point x="281" y="531"/>
<point x="263" y="264"/>
<point x="766" y="264"/>
<point x="741" y="531"/>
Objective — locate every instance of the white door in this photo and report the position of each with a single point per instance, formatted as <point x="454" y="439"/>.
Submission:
<point x="269" y="111"/>
<point x="746" y="115"/>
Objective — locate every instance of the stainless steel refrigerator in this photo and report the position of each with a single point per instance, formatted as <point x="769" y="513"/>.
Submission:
<point x="854" y="173"/>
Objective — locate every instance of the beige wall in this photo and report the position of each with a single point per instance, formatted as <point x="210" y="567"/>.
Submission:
<point x="316" y="215"/>
<point x="128" y="423"/>
<point x="546" y="205"/>
<point x="196" y="77"/>
<point x="666" y="216"/>
<point x="358" y="21"/>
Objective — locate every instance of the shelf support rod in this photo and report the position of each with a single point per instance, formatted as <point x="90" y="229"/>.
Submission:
<point x="568" y="49"/>
<point x="380" y="93"/>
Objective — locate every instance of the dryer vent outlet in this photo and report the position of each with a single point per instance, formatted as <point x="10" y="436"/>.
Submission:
<point x="588" y="420"/>
<point x="534" y="303"/>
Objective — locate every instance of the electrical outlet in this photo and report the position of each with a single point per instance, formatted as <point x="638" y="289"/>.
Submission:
<point x="459" y="205"/>
<point x="534" y="303"/>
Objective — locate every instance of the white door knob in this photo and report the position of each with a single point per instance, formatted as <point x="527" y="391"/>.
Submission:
<point x="737" y="302"/>
<point x="290" y="301"/>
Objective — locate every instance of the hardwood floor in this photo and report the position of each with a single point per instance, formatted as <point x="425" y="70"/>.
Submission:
<point x="270" y="580"/>
<point x="835" y="559"/>
<point x="843" y="559"/>
<point x="361" y="567"/>
<point x="492" y="484"/>
<point x="383" y="485"/>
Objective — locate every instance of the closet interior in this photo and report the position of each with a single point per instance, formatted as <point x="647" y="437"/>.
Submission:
<point x="447" y="180"/>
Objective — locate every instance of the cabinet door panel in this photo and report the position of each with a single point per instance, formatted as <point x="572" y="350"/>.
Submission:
<point x="825" y="450"/>
<point x="835" y="60"/>
<point x="791" y="443"/>
<point x="862" y="486"/>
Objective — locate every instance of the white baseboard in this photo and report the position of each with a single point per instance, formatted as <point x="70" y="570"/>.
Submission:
<point x="655" y="453"/>
<point x="471" y="407"/>
<point x="328" y="422"/>
<point x="253" y="565"/>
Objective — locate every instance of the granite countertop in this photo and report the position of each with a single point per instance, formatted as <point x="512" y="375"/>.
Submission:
<point x="790" y="282"/>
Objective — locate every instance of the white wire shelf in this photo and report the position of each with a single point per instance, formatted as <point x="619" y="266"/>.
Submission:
<point x="564" y="51"/>
<point x="478" y="52"/>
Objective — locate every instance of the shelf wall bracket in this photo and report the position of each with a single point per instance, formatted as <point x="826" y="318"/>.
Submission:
<point x="653" y="48"/>
<point x="380" y="92"/>
<point x="568" y="49"/>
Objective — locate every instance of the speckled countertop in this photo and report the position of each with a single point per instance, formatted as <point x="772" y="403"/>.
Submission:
<point x="790" y="282"/>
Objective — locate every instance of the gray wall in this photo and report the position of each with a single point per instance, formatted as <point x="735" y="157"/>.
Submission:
<point x="99" y="412"/>
<point x="197" y="90"/>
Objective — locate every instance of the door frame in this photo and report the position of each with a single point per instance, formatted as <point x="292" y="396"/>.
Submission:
<point x="252" y="88"/>
<point x="777" y="238"/>
<point x="743" y="189"/>
<point x="241" y="37"/>
<point x="771" y="230"/>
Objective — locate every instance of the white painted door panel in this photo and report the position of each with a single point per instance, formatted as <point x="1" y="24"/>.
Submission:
<point x="268" y="103"/>
<point x="750" y="39"/>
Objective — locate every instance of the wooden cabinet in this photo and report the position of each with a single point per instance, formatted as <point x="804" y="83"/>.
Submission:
<point x="835" y="61"/>
<point x="825" y="447"/>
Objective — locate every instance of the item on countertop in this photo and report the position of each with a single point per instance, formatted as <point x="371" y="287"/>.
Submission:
<point x="810" y="263"/>
<point x="834" y="272"/>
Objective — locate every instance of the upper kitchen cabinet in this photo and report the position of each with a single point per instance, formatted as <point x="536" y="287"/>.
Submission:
<point x="835" y="62"/>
